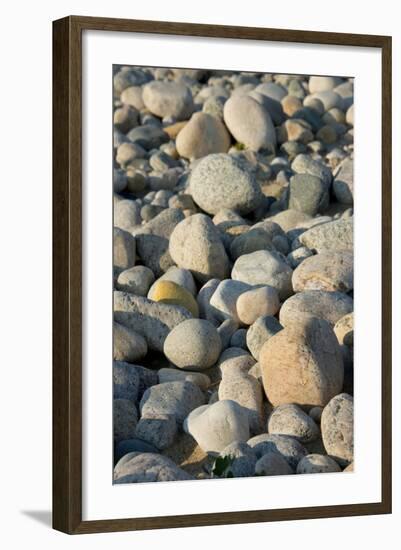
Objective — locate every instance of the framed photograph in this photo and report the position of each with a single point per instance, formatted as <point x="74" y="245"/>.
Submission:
<point x="221" y="222"/>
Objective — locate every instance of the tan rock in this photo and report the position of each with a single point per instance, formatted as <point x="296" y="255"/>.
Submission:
<point x="169" y="292"/>
<point x="325" y="271"/>
<point x="302" y="364"/>
<point x="204" y="134"/>
<point x="344" y="329"/>
<point x="256" y="303"/>
<point x="174" y="129"/>
<point x="291" y="104"/>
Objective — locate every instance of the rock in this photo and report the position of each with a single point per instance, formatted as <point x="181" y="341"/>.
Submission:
<point x="257" y="302"/>
<point x="285" y="446"/>
<point x="168" y="99"/>
<point x="343" y="184"/>
<point x="172" y="398"/>
<point x="323" y="83"/>
<point x="316" y="413"/>
<point x="148" y="136"/>
<point x="289" y="419"/>
<point x="194" y="343"/>
<point x="295" y="129"/>
<point x="221" y="181"/>
<point x="182" y="277"/>
<point x="238" y="339"/>
<point x="235" y="359"/>
<point x="297" y="256"/>
<point x="237" y="385"/>
<point x="125" y="417"/>
<point x="308" y="194"/>
<point x="259" y="332"/>
<point x="132" y="446"/>
<point x="175" y="375"/>
<point x="302" y="364"/>
<point x="203" y="135"/>
<point x="135" y="280"/>
<point x="344" y="329"/>
<point x="127" y="344"/>
<point x="335" y="235"/>
<point x="153" y="240"/>
<point x="206" y="311"/>
<point x="328" y="271"/>
<point x="272" y="90"/>
<point x="195" y="244"/>
<point x="330" y="306"/>
<point x="146" y="467"/>
<point x="127" y="215"/>
<point x="337" y="426"/>
<point x="171" y="293"/>
<point x="304" y="164"/>
<point x="159" y="431"/>
<point x="126" y="381"/>
<point x="251" y="241"/>
<point x="250" y="123"/>
<point x="329" y="98"/>
<point x="349" y="468"/>
<point x="216" y="426"/>
<point x="226" y="330"/>
<point x="127" y="152"/>
<point x="243" y="459"/>
<point x="317" y="464"/>
<point x="153" y="320"/>
<point x="119" y="180"/>
<point x="125" y="118"/>
<point x="290" y="219"/>
<point x="214" y="106"/>
<point x="128" y="76"/>
<point x="264" y="267"/>
<point x="133" y="96"/>
<point x="124" y="250"/>
<point x="272" y="464"/>
<point x="349" y="117"/>
<point x="225" y="297"/>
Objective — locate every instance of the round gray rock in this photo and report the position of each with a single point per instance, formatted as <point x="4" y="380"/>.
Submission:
<point x="259" y="332"/>
<point x="195" y="344"/>
<point x="308" y="193"/>
<point x="343" y="184"/>
<point x="128" y="345"/>
<point x="337" y="426"/>
<point x="272" y="464"/>
<point x="147" y="467"/>
<point x="220" y="181"/>
<point x="289" y="419"/>
<point x="243" y="459"/>
<point x="317" y="464"/>
<point x="159" y="431"/>
<point x="168" y="99"/>
<point x="136" y="280"/>
<point x="288" y="447"/>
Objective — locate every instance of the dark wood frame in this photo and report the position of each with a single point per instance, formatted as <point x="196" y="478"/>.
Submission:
<point x="67" y="262"/>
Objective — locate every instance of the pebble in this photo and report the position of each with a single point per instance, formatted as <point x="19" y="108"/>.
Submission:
<point x="284" y="445"/>
<point x="159" y="431"/>
<point x="125" y="417"/>
<point x="272" y="464"/>
<point x="127" y="344"/>
<point x="289" y="419"/>
<point x="147" y="467"/>
<point x="330" y="306"/>
<point x="251" y="241"/>
<point x="264" y="267"/>
<point x="216" y="426"/>
<point x="182" y="277"/>
<point x="290" y="219"/>
<point x="172" y="398"/>
<point x="193" y="344"/>
<point x="259" y="332"/>
<point x="344" y="329"/>
<point x="308" y="193"/>
<point x="226" y="330"/>
<point x="302" y="364"/>
<point x="317" y="464"/>
<point x="343" y="184"/>
<point x="125" y="118"/>
<point x="195" y="245"/>
<point x="224" y="299"/>
<point x="136" y="280"/>
<point x="304" y="164"/>
<point x="250" y="123"/>
<point x="323" y="83"/>
<point x="297" y="256"/>
<point x="335" y="235"/>
<point x="206" y="311"/>
<point x="203" y="135"/>
<point x="243" y="459"/>
<point x="124" y="250"/>
<point x="127" y="152"/>
<point x="171" y="293"/>
<point x="238" y="339"/>
<point x="329" y="271"/>
<point x="153" y="320"/>
<point x="337" y="426"/>
<point x="148" y="136"/>
<point x="133" y="96"/>
<point x="221" y="181"/>
<point x="168" y="99"/>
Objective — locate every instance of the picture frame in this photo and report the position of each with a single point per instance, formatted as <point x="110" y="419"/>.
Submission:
<point x="68" y="264"/>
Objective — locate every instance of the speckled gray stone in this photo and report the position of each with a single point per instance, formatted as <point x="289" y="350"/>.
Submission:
<point x="153" y="320"/>
<point x="124" y="250"/>
<point x="193" y="344"/>
<point x="244" y="459"/>
<point x="125" y="417"/>
<point x="147" y="467"/>
<point x="272" y="464"/>
<point x="308" y="193"/>
<point x="337" y="424"/>
<point x="288" y="447"/>
<point x="317" y="464"/>
<point x="331" y="271"/>
<point x="173" y="398"/>
<point x="259" y="332"/>
<point x="343" y="184"/>
<point x="335" y="235"/>
<point x="128" y="345"/>
<point x="159" y="431"/>
<point x="289" y="419"/>
<point x="330" y="306"/>
<point x="220" y="181"/>
<point x="168" y="99"/>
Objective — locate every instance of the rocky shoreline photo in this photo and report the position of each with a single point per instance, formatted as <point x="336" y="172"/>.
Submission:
<point x="233" y="274"/>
